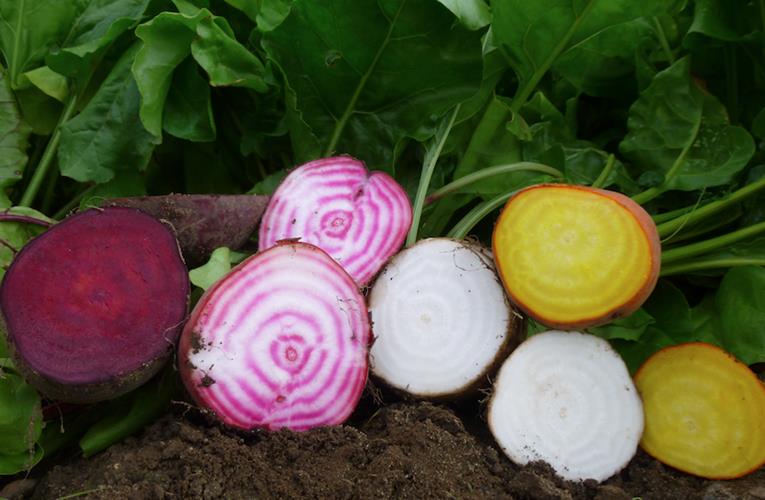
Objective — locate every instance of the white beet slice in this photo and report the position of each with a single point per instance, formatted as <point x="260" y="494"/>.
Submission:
<point x="440" y="318"/>
<point x="566" y="398"/>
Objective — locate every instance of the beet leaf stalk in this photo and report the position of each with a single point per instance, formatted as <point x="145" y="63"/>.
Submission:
<point x="567" y="398"/>
<point x="441" y="319"/>
<point x="281" y="341"/>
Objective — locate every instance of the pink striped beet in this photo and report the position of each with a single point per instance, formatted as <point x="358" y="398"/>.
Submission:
<point x="279" y="342"/>
<point x="358" y="217"/>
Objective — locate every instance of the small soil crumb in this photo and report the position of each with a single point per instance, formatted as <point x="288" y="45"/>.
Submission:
<point x="402" y="451"/>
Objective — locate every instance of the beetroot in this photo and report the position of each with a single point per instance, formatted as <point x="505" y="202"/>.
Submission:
<point x="92" y="307"/>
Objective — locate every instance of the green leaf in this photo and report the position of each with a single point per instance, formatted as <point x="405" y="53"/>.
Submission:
<point x="226" y="61"/>
<point x="97" y="24"/>
<point x="217" y="266"/>
<point x="14" y="137"/>
<point x="267" y="14"/>
<point x="123" y="184"/>
<point x="474" y="14"/>
<point x="50" y="82"/>
<point x="741" y="302"/>
<point x="166" y="43"/>
<point x="28" y="30"/>
<point x="20" y="424"/>
<point x="363" y="98"/>
<point x="269" y="184"/>
<point x="188" y="112"/>
<point x="15" y="234"/>
<point x="681" y="131"/>
<point x="535" y="34"/>
<point x="635" y="353"/>
<point x="107" y="135"/>
<point x="631" y="327"/>
<point x="723" y="20"/>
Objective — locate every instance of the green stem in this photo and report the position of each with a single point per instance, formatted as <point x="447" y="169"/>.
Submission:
<point x="663" y="40"/>
<point x="705" y="265"/>
<point x="603" y="177"/>
<point x="351" y="107"/>
<point x="666" y="216"/>
<point x="493" y="117"/>
<point x="468" y="222"/>
<point x="667" y="228"/>
<point x="490" y="172"/>
<point x="48" y="155"/>
<point x="63" y="211"/>
<point x="651" y="193"/>
<point x="700" y="229"/>
<point x="50" y="191"/>
<point x="522" y="96"/>
<point x="428" y="166"/>
<point x="706" y="246"/>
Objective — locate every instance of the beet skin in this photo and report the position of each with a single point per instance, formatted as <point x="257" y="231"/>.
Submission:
<point x="93" y="307"/>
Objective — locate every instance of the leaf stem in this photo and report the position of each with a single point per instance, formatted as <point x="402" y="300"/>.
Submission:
<point x="702" y="247"/>
<point x="26" y="219"/>
<point x="651" y="193"/>
<point x="428" y="166"/>
<point x="704" y="265"/>
<point x="469" y="221"/>
<point x="63" y="211"/>
<point x="603" y="177"/>
<point x="663" y="40"/>
<point x="709" y="209"/>
<point x="490" y="172"/>
<point x="351" y="107"/>
<point x="48" y="155"/>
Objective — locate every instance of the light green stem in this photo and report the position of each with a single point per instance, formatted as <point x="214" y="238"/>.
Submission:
<point x="706" y="246"/>
<point x="663" y="40"/>
<point x="603" y="177"/>
<point x="468" y="222"/>
<point x="428" y="166"/>
<point x="490" y="172"/>
<point x="705" y="265"/>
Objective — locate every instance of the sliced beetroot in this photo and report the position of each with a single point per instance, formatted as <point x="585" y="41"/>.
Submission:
<point x="358" y="217"/>
<point x="203" y="222"/>
<point x="441" y="319"/>
<point x="92" y="307"/>
<point x="281" y="341"/>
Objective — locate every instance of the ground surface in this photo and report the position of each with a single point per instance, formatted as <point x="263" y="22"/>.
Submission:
<point x="407" y="450"/>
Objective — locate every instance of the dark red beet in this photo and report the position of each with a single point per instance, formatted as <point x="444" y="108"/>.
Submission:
<point x="92" y="307"/>
<point x="203" y="222"/>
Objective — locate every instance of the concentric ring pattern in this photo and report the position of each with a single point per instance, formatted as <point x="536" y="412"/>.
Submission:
<point x="566" y="398"/>
<point x="440" y="317"/>
<point x="357" y="217"/>
<point x="281" y="342"/>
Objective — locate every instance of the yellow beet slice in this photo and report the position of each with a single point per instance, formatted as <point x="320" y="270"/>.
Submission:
<point x="704" y="411"/>
<point x="574" y="256"/>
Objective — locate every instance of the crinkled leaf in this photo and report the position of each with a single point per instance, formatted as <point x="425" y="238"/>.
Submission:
<point x="226" y="61"/>
<point x="15" y="234"/>
<point x="29" y="29"/>
<point x="536" y="33"/>
<point x="363" y="98"/>
<point x="20" y="424"/>
<point x="741" y="304"/>
<point x="267" y="14"/>
<point x="674" y="114"/>
<point x="188" y="112"/>
<point x="474" y="14"/>
<point x="14" y="136"/>
<point x="52" y="83"/>
<point x="631" y="327"/>
<point x="97" y="24"/>
<point x="107" y="135"/>
<point x="219" y="264"/>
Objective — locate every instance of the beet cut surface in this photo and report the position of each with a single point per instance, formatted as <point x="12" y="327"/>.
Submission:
<point x="93" y="306"/>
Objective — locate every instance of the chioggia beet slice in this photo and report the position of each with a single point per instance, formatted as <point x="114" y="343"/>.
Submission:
<point x="279" y="342"/>
<point x="573" y="257"/>
<point x="567" y="399"/>
<point x="704" y="411"/>
<point x="93" y="307"/>
<point x="358" y="217"/>
<point x="441" y="320"/>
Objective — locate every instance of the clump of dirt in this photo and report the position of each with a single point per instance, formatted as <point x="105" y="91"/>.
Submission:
<point x="402" y="451"/>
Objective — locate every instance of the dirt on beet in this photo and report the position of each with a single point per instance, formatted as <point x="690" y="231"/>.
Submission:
<point x="407" y="450"/>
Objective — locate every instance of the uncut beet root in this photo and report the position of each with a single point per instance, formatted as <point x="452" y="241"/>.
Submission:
<point x="92" y="307"/>
<point x="203" y="222"/>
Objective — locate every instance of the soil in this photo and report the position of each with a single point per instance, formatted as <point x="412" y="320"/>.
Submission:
<point x="404" y="450"/>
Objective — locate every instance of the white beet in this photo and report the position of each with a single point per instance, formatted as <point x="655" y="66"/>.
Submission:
<point x="566" y="398"/>
<point x="440" y="318"/>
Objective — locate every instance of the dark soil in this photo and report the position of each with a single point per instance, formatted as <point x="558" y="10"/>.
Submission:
<point x="408" y="450"/>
